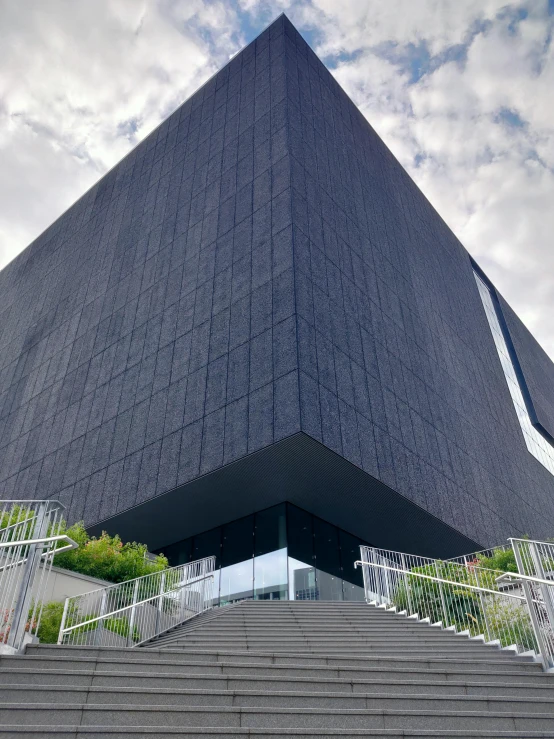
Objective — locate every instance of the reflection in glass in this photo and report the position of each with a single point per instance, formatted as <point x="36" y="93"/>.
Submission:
<point x="353" y="580"/>
<point x="237" y="543"/>
<point x="280" y="553"/>
<point x="536" y="443"/>
<point x="270" y="575"/>
<point x="270" y="530"/>
<point x="179" y="553"/>
<point x="206" y="545"/>
<point x="236" y="582"/>
<point x="302" y="582"/>
<point x="237" y="569"/>
<point x="353" y="592"/>
<point x="215" y="591"/>
<point x="302" y="577"/>
<point x="327" y="558"/>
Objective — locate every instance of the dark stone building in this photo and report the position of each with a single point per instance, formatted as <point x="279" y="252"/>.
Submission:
<point x="255" y="335"/>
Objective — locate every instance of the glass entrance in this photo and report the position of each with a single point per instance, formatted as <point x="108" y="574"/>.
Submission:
<point x="281" y="553"/>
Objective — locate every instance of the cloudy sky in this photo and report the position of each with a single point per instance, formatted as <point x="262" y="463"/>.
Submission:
<point x="461" y="91"/>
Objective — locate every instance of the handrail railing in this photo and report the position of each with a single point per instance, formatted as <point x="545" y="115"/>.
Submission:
<point x="129" y="613"/>
<point x="29" y="540"/>
<point x="535" y="563"/>
<point x="511" y="609"/>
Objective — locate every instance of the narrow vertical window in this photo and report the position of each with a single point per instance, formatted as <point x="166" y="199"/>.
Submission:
<point x="536" y="443"/>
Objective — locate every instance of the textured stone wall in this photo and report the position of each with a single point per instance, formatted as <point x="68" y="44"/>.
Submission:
<point x="148" y="336"/>
<point x="398" y="370"/>
<point x="259" y="265"/>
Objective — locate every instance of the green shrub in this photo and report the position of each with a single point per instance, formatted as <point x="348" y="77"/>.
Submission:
<point x="107" y="557"/>
<point x="120" y="625"/>
<point x="50" y="622"/>
<point x="503" y="560"/>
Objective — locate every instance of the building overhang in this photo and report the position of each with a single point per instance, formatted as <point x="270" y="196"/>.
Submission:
<point x="304" y="472"/>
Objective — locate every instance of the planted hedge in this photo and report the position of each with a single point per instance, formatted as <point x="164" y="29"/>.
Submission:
<point x="107" y="557"/>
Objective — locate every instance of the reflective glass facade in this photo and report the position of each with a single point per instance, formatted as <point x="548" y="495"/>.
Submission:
<point x="281" y="553"/>
<point x="536" y="443"/>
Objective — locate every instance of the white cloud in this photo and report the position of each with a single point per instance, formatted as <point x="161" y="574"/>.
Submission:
<point x="82" y="82"/>
<point x="476" y="133"/>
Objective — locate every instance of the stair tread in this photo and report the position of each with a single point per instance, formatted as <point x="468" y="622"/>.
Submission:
<point x="278" y="669"/>
<point x="506" y="659"/>
<point x="200" y="731"/>
<point x="224" y="731"/>
<point x="548" y="684"/>
<point x="236" y="709"/>
<point x="284" y="693"/>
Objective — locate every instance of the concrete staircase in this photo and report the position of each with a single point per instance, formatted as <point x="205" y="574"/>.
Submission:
<point x="280" y="669"/>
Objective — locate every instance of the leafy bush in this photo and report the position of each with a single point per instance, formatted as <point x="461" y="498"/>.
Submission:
<point x="503" y="560"/>
<point x="50" y="622"/>
<point x="107" y="557"/>
<point x="120" y="625"/>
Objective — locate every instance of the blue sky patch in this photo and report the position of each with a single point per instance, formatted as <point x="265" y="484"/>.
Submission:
<point x="510" y="118"/>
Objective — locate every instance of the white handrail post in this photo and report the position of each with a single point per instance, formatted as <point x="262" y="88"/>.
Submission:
<point x="376" y="574"/>
<point x="64" y="618"/>
<point x="34" y="554"/>
<point x="443" y="601"/>
<point x="132" y="617"/>
<point x="160" y="602"/>
<point x="483" y="603"/>
<point x="407" y="585"/>
<point x="378" y="582"/>
<point x="387" y="585"/>
<point x="101" y="621"/>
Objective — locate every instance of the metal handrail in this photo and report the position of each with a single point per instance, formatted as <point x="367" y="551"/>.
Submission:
<point x="18" y="523"/>
<point x="42" y="540"/>
<point x="27" y="549"/>
<point x="107" y="588"/>
<point x="532" y="541"/>
<point x="135" y="611"/>
<point x="519" y="576"/>
<point x="463" y="596"/>
<point x="444" y="580"/>
<point x="132" y="605"/>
